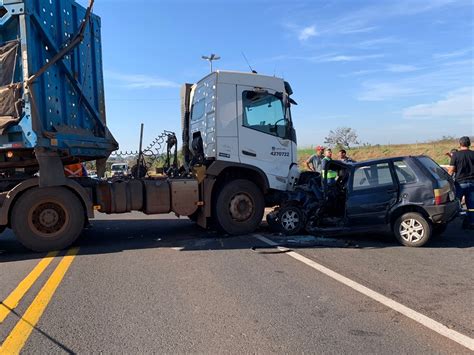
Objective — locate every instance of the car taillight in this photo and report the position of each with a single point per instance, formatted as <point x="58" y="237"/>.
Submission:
<point x="438" y="197"/>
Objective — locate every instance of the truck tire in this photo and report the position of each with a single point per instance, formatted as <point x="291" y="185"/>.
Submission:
<point x="412" y="230"/>
<point x="239" y="207"/>
<point x="45" y="219"/>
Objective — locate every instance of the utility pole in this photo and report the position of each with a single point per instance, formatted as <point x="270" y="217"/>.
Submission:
<point x="211" y="58"/>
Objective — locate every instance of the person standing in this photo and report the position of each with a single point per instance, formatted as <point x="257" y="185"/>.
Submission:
<point x="328" y="174"/>
<point x="343" y="157"/>
<point x="462" y="164"/>
<point x="314" y="162"/>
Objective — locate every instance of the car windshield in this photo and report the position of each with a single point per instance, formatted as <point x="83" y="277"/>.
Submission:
<point x="118" y="167"/>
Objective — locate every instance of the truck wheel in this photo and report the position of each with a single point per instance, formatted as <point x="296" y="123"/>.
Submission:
<point x="412" y="230"/>
<point x="291" y="219"/>
<point x="239" y="207"/>
<point x="45" y="219"/>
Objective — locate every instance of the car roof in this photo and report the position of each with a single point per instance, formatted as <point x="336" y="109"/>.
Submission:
<point x="384" y="160"/>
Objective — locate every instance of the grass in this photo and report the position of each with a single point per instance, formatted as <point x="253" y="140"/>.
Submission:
<point x="436" y="150"/>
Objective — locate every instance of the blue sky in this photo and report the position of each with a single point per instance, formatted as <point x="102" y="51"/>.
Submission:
<point x="396" y="71"/>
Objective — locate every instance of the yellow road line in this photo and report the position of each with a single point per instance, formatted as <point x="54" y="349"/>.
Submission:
<point x="12" y="301"/>
<point x="19" y="335"/>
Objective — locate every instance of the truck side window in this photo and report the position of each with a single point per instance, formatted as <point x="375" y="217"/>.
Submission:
<point x="372" y="176"/>
<point x="264" y="112"/>
<point x="197" y="111"/>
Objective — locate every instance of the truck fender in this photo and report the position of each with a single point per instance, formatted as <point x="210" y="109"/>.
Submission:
<point x="14" y="193"/>
<point x="217" y="167"/>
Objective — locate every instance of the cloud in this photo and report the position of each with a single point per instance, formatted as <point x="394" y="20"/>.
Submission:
<point x="386" y="91"/>
<point x="377" y="42"/>
<point x="356" y="29"/>
<point x="370" y="18"/>
<point x="139" y="81"/>
<point x="401" y="68"/>
<point x="438" y="81"/>
<point x="453" y="54"/>
<point x="329" y="57"/>
<point x="350" y="58"/>
<point x="307" y="32"/>
<point x="457" y="105"/>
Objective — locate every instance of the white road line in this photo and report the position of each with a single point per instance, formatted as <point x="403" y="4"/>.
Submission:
<point x="408" y="312"/>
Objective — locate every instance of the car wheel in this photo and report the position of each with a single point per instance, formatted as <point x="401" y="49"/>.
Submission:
<point x="412" y="229"/>
<point x="291" y="220"/>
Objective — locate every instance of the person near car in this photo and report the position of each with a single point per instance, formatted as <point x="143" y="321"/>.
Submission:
<point x="451" y="152"/>
<point x="343" y="157"/>
<point x="328" y="175"/>
<point x="314" y="162"/>
<point x="462" y="164"/>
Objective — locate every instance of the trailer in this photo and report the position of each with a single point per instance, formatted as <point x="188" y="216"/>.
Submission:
<point x="238" y="139"/>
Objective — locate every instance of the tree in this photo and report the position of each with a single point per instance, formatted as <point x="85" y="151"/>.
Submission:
<point x="342" y="137"/>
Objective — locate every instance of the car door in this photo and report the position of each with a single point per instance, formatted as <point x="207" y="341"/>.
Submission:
<point x="264" y="133"/>
<point x="372" y="192"/>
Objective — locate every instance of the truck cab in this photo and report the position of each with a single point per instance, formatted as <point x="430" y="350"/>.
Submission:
<point x="244" y="119"/>
<point x="238" y="131"/>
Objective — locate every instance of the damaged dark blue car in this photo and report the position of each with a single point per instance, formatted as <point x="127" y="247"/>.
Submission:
<point x="411" y="196"/>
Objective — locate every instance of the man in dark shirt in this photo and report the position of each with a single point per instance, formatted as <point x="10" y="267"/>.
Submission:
<point x="462" y="164"/>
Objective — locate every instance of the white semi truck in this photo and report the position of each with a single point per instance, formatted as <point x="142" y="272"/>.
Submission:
<point x="239" y="145"/>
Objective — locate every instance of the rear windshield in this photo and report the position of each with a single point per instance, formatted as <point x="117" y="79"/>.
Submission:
<point x="438" y="172"/>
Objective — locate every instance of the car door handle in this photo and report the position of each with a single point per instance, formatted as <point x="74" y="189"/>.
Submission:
<point x="250" y="154"/>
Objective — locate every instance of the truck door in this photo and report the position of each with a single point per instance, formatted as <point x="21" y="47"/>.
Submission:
<point x="372" y="192"/>
<point x="265" y="133"/>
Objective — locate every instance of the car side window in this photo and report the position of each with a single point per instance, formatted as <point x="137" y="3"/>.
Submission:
<point x="372" y="176"/>
<point x="405" y="174"/>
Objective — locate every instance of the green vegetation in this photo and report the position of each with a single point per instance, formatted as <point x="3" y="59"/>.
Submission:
<point x="436" y="150"/>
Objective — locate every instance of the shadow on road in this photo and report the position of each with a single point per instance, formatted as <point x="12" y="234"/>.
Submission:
<point x="117" y="235"/>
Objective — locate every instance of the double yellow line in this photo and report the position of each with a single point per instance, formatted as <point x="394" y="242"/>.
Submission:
<point x="17" y="338"/>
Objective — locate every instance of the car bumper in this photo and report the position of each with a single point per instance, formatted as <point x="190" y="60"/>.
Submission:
<point x="444" y="213"/>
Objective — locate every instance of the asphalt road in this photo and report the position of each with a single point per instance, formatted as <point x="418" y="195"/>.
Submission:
<point x="138" y="284"/>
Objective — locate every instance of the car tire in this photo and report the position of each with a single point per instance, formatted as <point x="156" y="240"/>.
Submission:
<point x="412" y="229"/>
<point x="291" y="220"/>
<point x="46" y="219"/>
<point x="273" y="222"/>
<point x="239" y="207"/>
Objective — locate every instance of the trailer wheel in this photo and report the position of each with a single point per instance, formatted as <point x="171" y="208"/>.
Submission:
<point x="45" y="219"/>
<point x="239" y="207"/>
